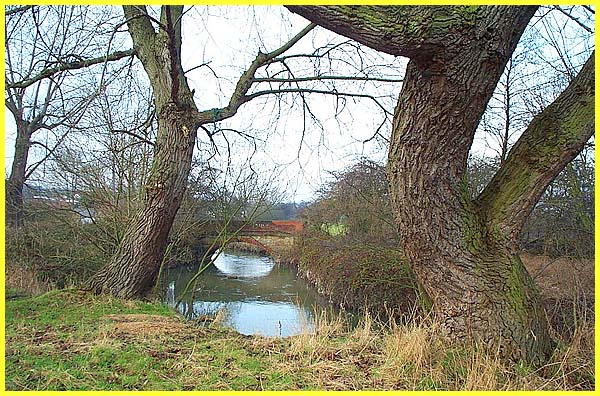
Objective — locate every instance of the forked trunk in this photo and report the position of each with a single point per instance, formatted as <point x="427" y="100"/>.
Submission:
<point x="463" y="250"/>
<point x="133" y="269"/>
<point x="478" y="286"/>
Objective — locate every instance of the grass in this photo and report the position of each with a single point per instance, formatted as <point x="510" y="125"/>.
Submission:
<point x="72" y="340"/>
<point x="66" y="340"/>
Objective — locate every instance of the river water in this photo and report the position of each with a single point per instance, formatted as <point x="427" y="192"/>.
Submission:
<point x="255" y="295"/>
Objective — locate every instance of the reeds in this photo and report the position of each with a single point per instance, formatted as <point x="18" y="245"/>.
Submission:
<point x="412" y="355"/>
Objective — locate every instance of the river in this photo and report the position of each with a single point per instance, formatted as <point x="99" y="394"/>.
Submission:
<point x="255" y="295"/>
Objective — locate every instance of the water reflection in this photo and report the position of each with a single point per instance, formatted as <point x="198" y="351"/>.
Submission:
<point x="245" y="266"/>
<point x="256" y="296"/>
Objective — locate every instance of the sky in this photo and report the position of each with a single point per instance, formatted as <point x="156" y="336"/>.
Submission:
<point x="302" y="159"/>
<point x="294" y="152"/>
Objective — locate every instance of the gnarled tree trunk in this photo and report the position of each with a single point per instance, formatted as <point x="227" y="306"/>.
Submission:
<point x="461" y="250"/>
<point x="133" y="269"/>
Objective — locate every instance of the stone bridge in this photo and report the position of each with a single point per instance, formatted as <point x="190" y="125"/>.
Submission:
<point x="276" y="238"/>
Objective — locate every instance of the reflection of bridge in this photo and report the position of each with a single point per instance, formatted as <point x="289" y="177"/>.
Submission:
<point x="275" y="238"/>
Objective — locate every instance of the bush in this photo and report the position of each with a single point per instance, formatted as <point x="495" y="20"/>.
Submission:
<point x="54" y="247"/>
<point x="359" y="275"/>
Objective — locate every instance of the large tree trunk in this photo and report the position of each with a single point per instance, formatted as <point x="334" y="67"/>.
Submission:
<point x="463" y="251"/>
<point x="16" y="180"/>
<point x="132" y="271"/>
<point x="479" y="288"/>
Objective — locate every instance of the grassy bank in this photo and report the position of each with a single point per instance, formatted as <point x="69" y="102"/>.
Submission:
<point x="71" y="340"/>
<point x="359" y="274"/>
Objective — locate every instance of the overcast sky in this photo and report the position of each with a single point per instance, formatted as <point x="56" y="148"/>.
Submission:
<point x="296" y="152"/>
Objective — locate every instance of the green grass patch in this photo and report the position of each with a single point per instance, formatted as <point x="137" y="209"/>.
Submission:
<point x="72" y="340"/>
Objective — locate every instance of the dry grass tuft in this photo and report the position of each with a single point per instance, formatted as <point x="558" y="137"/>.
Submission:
<point x="412" y="344"/>
<point x="219" y="318"/>
<point x="23" y="279"/>
<point x="141" y="324"/>
<point x="482" y="373"/>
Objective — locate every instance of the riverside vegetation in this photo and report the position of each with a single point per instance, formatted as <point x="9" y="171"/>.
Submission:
<point x="62" y="338"/>
<point x="72" y="340"/>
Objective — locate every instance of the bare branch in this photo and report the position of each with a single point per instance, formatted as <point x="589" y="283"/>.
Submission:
<point x="12" y="11"/>
<point x="317" y="91"/>
<point x="207" y="64"/>
<point x="46" y="73"/>
<point x="321" y="78"/>
<point x="133" y="134"/>
<point x="574" y="19"/>
<point x="245" y="82"/>
<point x="49" y="153"/>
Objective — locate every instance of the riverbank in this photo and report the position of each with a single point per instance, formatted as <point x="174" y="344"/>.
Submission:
<point x="360" y="275"/>
<point x="72" y="340"/>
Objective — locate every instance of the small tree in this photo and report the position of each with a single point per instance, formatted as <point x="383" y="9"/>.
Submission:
<point x="44" y="88"/>
<point x="358" y="200"/>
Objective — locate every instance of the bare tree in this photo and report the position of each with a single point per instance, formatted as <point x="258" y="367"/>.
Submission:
<point x="158" y="42"/>
<point x="462" y="250"/>
<point x="46" y="50"/>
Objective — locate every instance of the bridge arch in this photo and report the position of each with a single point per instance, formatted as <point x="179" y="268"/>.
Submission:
<point x="275" y="238"/>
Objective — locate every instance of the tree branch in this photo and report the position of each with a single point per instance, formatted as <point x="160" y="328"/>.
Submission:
<point x="134" y="135"/>
<point x="16" y="10"/>
<point x="141" y="31"/>
<point x="320" y="78"/>
<point x="317" y="91"/>
<point x="245" y="82"/>
<point x="416" y="32"/>
<point x="171" y="18"/>
<point x="138" y="21"/>
<point x="574" y="19"/>
<point x="551" y="140"/>
<point x="49" y="72"/>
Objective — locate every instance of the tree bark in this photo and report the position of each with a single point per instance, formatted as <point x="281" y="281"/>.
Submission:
<point x="16" y="180"/>
<point x="461" y="250"/>
<point x="480" y="291"/>
<point x="133" y="269"/>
